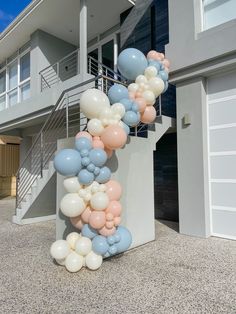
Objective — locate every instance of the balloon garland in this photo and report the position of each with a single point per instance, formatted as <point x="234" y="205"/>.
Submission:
<point x="92" y="201"/>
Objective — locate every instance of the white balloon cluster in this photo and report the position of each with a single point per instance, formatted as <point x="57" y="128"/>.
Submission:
<point x="75" y="252"/>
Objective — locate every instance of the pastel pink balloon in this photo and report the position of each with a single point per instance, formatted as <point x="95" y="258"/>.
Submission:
<point x="110" y="224"/>
<point x="166" y="63"/>
<point x="139" y="95"/>
<point x="97" y="219"/>
<point x="106" y="232"/>
<point x="114" y="190"/>
<point x="77" y="222"/>
<point x="162" y="56"/>
<point x="149" y="115"/>
<point x="114" y="137"/>
<point x="84" y="134"/>
<point x="109" y="152"/>
<point x="152" y="55"/>
<point x="109" y="216"/>
<point x="114" y="208"/>
<point x="132" y="95"/>
<point x="141" y="104"/>
<point x="117" y="221"/>
<point x="86" y="214"/>
<point x="97" y="143"/>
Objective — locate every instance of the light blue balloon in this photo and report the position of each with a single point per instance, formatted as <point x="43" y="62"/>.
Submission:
<point x="157" y="64"/>
<point x="166" y="87"/>
<point x="67" y="162"/>
<point x="100" y="245"/>
<point x="85" y="161"/>
<point x="83" y="143"/>
<point x="96" y="171"/>
<point x="126" y="128"/>
<point x="131" y="118"/>
<point x="91" y="167"/>
<point x="98" y="157"/>
<point x="117" y="237"/>
<point x="104" y="175"/>
<point x="111" y="239"/>
<point x="113" y="249"/>
<point x="127" y="103"/>
<point x="84" y="152"/>
<point x="125" y="239"/>
<point x="85" y="177"/>
<point x="117" y="92"/>
<point x="164" y="75"/>
<point x="88" y="232"/>
<point x="134" y="107"/>
<point x="131" y="63"/>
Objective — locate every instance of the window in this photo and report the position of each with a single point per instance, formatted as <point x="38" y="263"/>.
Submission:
<point x="216" y="12"/>
<point x="15" y="79"/>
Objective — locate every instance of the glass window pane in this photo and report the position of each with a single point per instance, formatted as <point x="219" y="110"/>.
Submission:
<point x="13" y="75"/>
<point x="217" y="12"/>
<point x="2" y="82"/>
<point x="25" y="91"/>
<point x="2" y="102"/>
<point x="13" y="97"/>
<point x="108" y="54"/>
<point x="25" y="67"/>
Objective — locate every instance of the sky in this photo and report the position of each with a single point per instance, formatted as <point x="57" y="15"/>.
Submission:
<point x="9" y="9"/>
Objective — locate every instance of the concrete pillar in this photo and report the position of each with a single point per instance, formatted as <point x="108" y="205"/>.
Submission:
<point x="193" y="177"/>
<point x="83" y="38"/>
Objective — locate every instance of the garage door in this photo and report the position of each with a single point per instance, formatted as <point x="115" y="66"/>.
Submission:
<point x="222" y="154"/>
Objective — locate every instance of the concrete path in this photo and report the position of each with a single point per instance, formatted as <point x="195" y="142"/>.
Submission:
<point x="174" y="274"/>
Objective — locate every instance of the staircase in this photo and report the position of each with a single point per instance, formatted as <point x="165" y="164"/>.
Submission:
<point x="36" y="178"/>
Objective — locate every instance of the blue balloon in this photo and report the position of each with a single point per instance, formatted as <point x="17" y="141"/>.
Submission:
<point x="126" y="128"/>
<point x="131" y="63"/>
<point x="85" y="161"/>
<point x="117" y="237"/>
<point x="113" y="249"/>
<point x="166" y="87"/>
<point x="111" y="239"/>
<point x="67" y="162"/>
<point x="134" y="107"/>
<point x="100" y="245"/>
<point x="88" y="231"/>
<point x="83" y="143"/>
<point x="85" y="177"/>
<point x="104" y="175"/>
<point x="98" y="157"/>
<point x="91" y="167"/>
<point x="164" y="75"/>
<point x="131" y="118"/>
<point x="84" y="152"/>
<point x="127" y="103"/>
<point x="157" y="64"/>
<point x="117" y="92"/>
<point x="96" y="171"/>
<point x="125" y="239"/>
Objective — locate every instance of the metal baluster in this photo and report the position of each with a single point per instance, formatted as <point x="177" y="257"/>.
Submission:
<point x="41" y="154"/>
<point x="67" y="115"/>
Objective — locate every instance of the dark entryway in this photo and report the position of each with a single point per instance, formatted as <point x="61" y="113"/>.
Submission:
<point x="166" y="178"/>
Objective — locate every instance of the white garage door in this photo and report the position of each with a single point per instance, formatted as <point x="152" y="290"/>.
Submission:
<point x="222" y="150"/>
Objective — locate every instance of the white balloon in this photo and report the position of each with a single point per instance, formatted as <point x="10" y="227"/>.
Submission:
<point x="93" y="261"/>
<point x="141" y="79"/>
<point x="74" y="262"/>
<point x="95" y="127"/>
<point x="72" y="205"/>
<point x="156" y="85"/>
<point x="133" y="87"/>
<point x="150" y="72"/>
<point x="149" y="97"/>
<point x="72" y="185"/>
<point x="87" y="197"/>
<point x="92" y="102"/>
<point x="99" y="201"/>
<point x="102" y="188"/>
<point x="83" y="246"/>
<point x="72" y="238"/>
<point x="105" y="113"/>
<point x="61" y="262"/>
<point x="82" y="193"/>
<point x="60" y="249"/>
<point x="119" y="109"/>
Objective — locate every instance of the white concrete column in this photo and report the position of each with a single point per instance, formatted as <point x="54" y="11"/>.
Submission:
<point x="83" y="38"/>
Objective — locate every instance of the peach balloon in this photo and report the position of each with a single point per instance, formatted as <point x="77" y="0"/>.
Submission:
<point x="77" y="222"/>
<point x="162" y="56"/>
<point x="97" y="143"/>
<point x="109" y="224"/>
<point x="114" y="190"/>
<point x="149" y="115"/>
<point x="109" y="216"/>
<point x="97" y="219"/>
<point x="166" y="63"/>
<point x="86" y="214"/>
<point x="117" y="221"/>
<point x="109" y="152"/>
<point x="141" y="104"/>
<point x="114" y="208"/>
<point x="84" y="134"/>
<point x="152" y="54"/>
<point x="132" y="95"/>
<point x="106" y="232"/>
<point x="139" y="95"/>
<point x="114" y="137"/>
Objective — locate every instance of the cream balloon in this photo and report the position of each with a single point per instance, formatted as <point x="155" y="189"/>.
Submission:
<point x="149" y="97"/>
<point x="133" y="87"/>
<point x="87" y="197"/>
<point x="61" y="262"/>
<point x="156" y="85"/>
<point x="72" y="238"/>
<point x="83" y="246"/>
<point x="150" y="72"/>
<point x="105" y="114"/>
<point x="93" y="261"/>
<point x="95" y="127"/>
<point x="72" y="185"/>
<point x="99" y="201"/>
<point x="141" y="79"/>
<point x="72" y="205"/>
<point x="60" y="249"/>
<point x="92" y="102"/>
<point x="118" y="109"/>
<point x="74" y="262"/>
